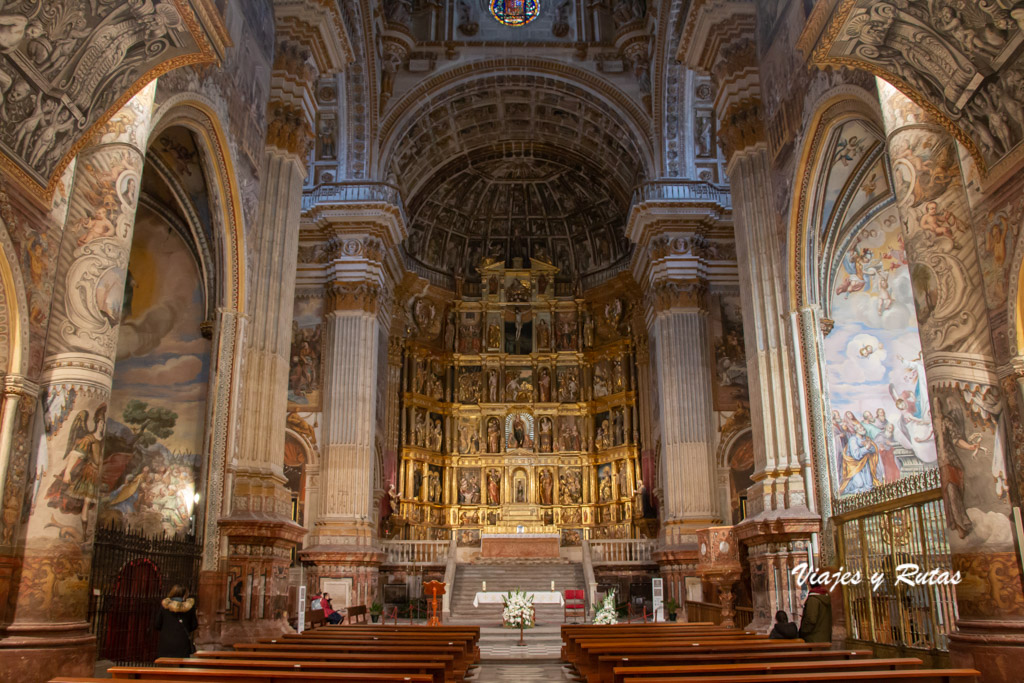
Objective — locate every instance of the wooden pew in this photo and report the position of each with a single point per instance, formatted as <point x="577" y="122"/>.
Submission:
<point x="448" y="660"/>
<point x="389" y="664"/>
<point x="355" y="615"/>
<point x="904" y="676"/>
<point x="572" y="635"/>
<point x="608" y="663"/>
<point x="588" y="662"/>
<point x="144" y="673"/>
<point x="659" y="673"/>
<point x="467" y="642"/>
<point x="462" y="661"/>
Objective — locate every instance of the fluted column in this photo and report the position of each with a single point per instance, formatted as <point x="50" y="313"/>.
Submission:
<point x="47" y="631"/>
<point x="678" y="325"/>
<point x="967" y="406"/>
<point x="350" y="397"/>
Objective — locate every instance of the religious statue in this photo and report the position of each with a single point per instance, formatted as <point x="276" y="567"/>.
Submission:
<point x="603" y="438"/>
<point x="492" y="385"/>
<point x="420" y="429"/>
<point x="544" y="385"/>
<point x="493" y="489"/>
<point x="467" y="26"/>
<point x="469" y="487"/>
<point x="436" y="437"/>
<point x="519" y="437"/>
<point x="464" y="435"/>
<point x="547" y="485"/>
<point x="449" y="333"/>
<point x="434" y="487"/>
<point x="601" y="379"/>
<point x="493" y="436"/>
<point x="328" y="148"/>
<point x="617" y="381"/>
<point x="543" y="334"/>
<point x="394" y="502"/>
<point x="520" y="491"/>
<point x="494" y="336"/>
<point x="570" y="485"/>
<point x="624" y="479"/>
<point x="588" y="331"/>
<point x="568" y="387"/>
<point x="545" y="435"/>
<point x="618" y="435"/>
<point x="605" y="485"/>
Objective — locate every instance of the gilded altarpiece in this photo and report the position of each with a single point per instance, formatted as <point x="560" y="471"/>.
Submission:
<point x="523" y="416"/>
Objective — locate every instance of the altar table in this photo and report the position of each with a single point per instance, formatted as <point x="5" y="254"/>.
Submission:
<point x="527" y="546"/>
<point x="539" y="597"/>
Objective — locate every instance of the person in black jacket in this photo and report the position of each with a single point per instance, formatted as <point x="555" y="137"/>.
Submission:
<point x="175" y="622"/>
<point x="784" y="628"/>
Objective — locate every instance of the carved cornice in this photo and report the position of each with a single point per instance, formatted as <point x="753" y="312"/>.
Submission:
<point x="260" y="532"/>
<point x="318" y="24"/>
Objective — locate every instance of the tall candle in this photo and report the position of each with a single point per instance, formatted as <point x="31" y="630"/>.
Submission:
<point x="552" y="586"/>
<point x="485" y="586"/>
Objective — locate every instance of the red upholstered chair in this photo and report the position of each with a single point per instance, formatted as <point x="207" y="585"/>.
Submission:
<point x="575" y="605"/>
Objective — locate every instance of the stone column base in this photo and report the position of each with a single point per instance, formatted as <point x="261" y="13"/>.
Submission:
<point x="995" y="648"/>
<point x="37" y="654"/>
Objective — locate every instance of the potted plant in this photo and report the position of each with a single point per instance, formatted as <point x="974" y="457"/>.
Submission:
<point x="375" y="609"/>
<point x="672" y="607"/>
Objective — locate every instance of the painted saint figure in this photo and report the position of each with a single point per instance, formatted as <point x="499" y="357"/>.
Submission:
<point x="74" y="490"/>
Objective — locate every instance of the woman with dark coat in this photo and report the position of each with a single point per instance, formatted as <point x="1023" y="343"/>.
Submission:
<point x="784" y="628"/>
<point x="175" y="623"/>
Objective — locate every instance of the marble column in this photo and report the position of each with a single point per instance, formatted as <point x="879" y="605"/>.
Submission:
<point x="46" y="629"/>
<point x="678" y="321"/>
<point x="967" y="406"/>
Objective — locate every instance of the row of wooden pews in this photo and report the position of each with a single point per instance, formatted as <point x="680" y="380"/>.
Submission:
<point x="350" y="654"/>
<point x="704" y="653"/>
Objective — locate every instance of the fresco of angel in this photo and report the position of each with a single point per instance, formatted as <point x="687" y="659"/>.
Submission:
<point x="74" y="490"/>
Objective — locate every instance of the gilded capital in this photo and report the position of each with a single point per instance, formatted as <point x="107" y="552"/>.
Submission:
<point x="354" y="296"/>
<point x="666" y="295"/>
<point x="288" y="128"/>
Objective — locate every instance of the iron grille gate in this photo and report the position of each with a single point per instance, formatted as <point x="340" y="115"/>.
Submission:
<point x="913" y="616"/>
<point x="131" y="573"/>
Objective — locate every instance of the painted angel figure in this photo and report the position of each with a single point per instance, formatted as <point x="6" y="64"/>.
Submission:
<point x="914" y="428"/>
<point x="74" y="490"/>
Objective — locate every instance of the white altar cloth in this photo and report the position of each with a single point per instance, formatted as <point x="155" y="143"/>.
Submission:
<point x="539" y="597"/>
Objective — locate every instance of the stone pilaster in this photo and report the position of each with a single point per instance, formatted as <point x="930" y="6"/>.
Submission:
<point x="967" y="405"/>
<point x="780" y="504"/>
<point x="46" y="631"/>
<point x="257" y="529"/>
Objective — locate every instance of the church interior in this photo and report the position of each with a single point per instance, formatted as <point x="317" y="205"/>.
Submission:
<point x="654" y="310"/>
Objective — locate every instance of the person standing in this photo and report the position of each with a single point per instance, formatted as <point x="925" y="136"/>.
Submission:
<point x="175" y="623"/>
<point x="816" y="625"/>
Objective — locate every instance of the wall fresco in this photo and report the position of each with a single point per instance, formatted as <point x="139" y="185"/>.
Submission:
<point x="881" y="417"/>
<point x="157" y="417"/>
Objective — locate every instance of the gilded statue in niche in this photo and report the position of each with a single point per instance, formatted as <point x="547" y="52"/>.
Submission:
<point x="546" y="485"/>
<point x="544" y="385"/>
<point x="493" y="490"/>
<point x="469" y="438"/>
<point x="569" y="437"/>
<point x="493" y="435"/>
<point x="520" y="431"/>
<point x="492" y="385"/>
<point x="543" y="334"/>
<point x="545" y="434"/>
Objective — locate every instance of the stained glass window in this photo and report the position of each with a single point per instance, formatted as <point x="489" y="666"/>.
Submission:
<point x="515" y="12"/>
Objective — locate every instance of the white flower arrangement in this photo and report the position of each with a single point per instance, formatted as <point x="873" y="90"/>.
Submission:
<point x="606" y="613"/>
<point x="518" y="612"/>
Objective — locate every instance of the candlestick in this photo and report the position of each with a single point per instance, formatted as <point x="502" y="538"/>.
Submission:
<point x="485" y="586"/>
<point x="552" y="586"/>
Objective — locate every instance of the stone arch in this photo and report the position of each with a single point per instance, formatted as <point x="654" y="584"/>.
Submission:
<point x="831" y="115"/>
<point x="198" y="115"/>
<point x="14" y="327"/>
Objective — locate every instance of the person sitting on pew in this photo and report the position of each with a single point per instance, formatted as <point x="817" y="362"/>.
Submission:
<point x="816" y="625"/>
<point x="784" y="628"/>
<point x="330" y="615"/>
<point x="176" y="621"/>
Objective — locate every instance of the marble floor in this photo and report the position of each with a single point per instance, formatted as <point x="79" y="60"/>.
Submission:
<point x="531" y="671"/>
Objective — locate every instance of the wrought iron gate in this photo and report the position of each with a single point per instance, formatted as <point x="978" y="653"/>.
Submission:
<point x="131" y="573"/>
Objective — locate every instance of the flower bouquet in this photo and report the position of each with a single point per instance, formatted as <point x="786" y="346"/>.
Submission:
<point x="518" y="612"/>
<point x="606" y="613"/>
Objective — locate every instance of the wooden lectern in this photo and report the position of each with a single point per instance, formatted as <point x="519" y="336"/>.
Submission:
<point x="434" y="589"/>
